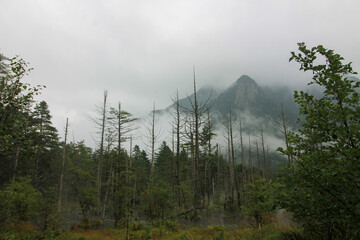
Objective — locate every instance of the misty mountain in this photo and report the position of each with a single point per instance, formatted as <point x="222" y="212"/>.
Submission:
<point x="258" y="107"/>
<point x="206" y="95"/>
<point x="248" y="100"/>
<point x="245" y="95"/>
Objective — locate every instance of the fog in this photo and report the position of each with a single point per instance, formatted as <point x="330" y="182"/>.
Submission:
<point x="143" y="51"/>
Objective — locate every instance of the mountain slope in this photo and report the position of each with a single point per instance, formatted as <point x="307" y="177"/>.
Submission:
<point x="243" y="95"/>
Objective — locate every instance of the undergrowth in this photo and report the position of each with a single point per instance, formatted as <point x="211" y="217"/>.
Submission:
<point x="144" y="232"/>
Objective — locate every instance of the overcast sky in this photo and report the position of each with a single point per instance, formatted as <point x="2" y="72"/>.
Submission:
<point x="141" y="51"/>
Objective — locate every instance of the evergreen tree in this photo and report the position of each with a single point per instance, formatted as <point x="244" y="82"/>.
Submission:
<point x="46" y="142"/>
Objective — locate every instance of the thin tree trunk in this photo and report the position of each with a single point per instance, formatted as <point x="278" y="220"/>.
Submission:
<point x="264" y="153"/>
<point x="177" y="171"/>
<point x="152" y="144"/>
<point x="107" y="190"/>
<point x="231" y="167"/>
<point x="218" y="168"/>
<point x="258" y="155"/>
<point x="197" y="154"/>
<point x="285" y="133"/>
<point x="236" y="175"/>
<point x="243" y="173"/>
<point x="251" y="175"/>
<point x="101" y="153"/>
<point x="131" y="152"/>
<point x="63" y="165"/>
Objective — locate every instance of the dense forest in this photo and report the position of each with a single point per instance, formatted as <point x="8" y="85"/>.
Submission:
<point x="54" y="186"/>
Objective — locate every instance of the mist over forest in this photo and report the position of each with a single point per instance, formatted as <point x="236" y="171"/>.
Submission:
<point x="179" y="120"/>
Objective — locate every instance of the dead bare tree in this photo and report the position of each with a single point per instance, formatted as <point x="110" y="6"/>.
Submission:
<point x="243" y="173"/>
<point x="122" y="123"/>
<point x="100" y="123"/>
<point x="176" y="125"/>
<point x="284" y="129"/>
<point x="251" y="167"/>
<point x="228" y="124"/>
<point x="264" y="155"/>
<point x="63" y="166"/>
<point x="195" y="119"/>
<point x="152" y="135"/>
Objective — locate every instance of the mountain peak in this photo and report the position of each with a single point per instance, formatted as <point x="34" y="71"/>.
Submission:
<point x="245" y="79"/>
<point x="243" y="94"/>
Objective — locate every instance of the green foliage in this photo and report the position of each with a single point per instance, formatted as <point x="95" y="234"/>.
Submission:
<point x="48" y="210"/>
<point x="261" y="203"/>
<point x="164" y="163"/>
<point x="141" y="167"/>
<point x="86" y="224"/>
<point x="144" y="234"/>
<point x="15" y="99"/>
<point x="17" y="133"/>
<point x="157" y="200"/>
<point x="82" y="177"/>
<point x="323" y="183"/>
<point x="171" y="225"/>
<point x="19" y="201"/>
<point x="217" y="232"/>
<point x="41" y="117"/>
<point x="184" y="236"/>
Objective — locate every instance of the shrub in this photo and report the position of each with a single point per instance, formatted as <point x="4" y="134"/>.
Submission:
<point x="19" y="201"/>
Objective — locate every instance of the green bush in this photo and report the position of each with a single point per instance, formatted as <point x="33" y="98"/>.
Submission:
<point x="143" y="234"/>
<point x="184" y="236"/>
<point x="171" y="225"/>
<point x="87" y="224"/>
<point x="19" y="201"/>
<point x="216" y="232"/>
<point x="136" y="226"/>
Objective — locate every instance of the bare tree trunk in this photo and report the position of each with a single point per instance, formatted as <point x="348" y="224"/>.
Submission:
<point x="218" y="168"/>
<point x="133" y="179"/>
<point x="195" y="114"/>
<point x="235" y="176"/>
<point x="107" y="191"/>
<point x="101" y="153"/>
<point x="268" y="163"/>
<point x="285" y="133"/>
<point x="208" y="176"/>
<point x="243" y="173"/>
<point x="131" y="152"/>
<point x="258" y="155"/>
<point x="119" y="135"/>
<point x="264" y="153"/>
<point x="63" y="165"/>
<point x="251" y="175"/>
<point x="231" y="166"/>
<point x="152" y="144"/>
<point x="177" y="163"/>
<point x="197" y="154"/>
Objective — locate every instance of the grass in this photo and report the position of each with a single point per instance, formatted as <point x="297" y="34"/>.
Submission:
<point x="269" y="232"/>
<point x="219" y="232"/>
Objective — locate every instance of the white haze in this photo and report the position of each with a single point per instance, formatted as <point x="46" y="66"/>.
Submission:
<point x="142" y="51"/>
<point x="164" y="128"/>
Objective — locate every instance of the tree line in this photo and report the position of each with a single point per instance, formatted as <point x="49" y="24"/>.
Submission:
<point x="192" y="178"/>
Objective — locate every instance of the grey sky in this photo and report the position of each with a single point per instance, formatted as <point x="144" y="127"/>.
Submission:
<point x="143" y="50"/>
